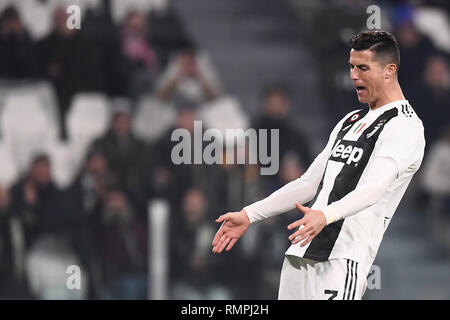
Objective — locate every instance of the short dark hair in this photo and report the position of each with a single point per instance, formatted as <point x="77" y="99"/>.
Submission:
<point x="39" y="158"/>
<point x="278" y="88"/>
<point x="382" y="43"/>
<point x="9" y="13"/>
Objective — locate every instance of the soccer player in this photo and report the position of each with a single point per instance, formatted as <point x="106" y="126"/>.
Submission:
<point x="353" y="186"/>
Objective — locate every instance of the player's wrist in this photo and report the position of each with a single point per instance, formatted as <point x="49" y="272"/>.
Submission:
<point x="243" y="212"/>
<point x="331" y="213"/>
<point x="248" y="214"/>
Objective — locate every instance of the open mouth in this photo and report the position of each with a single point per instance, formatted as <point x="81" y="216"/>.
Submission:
<point x="360" y="89"/>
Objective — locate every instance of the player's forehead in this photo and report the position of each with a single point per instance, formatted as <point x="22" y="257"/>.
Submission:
<point x="358" y="57"/>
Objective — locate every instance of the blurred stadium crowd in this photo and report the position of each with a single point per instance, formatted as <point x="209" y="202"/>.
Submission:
<point x="86" y="118"/>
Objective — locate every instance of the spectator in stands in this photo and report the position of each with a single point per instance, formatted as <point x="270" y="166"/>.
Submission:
<point x="276" y="104"/>
<point x="436" y="184"/>
<point x="436" y="175"/>
<point x="189" y="76"/>
<point x="193" y="268"/>
<point x="233" y="185"/>
<point x="270" y="242"/>
<point x="140" y="56"/>
<point x="120" y="243"/>
<point x="415" y="49"/>
<point x="13" y="284"/>
<point x="127" y="156"/>
<point x="17" y="52"/>
<point x="87" y="193"/>
<point x="434" y="97"/>
<point x="71" y="61"/>
<point x="98" y="24"/>
<point x="166" y="32"/>
<point x="6" y="254"/>
<point x="36" y="201"/>
<point x="169" y="179"/>
<point x="84" y="199"/>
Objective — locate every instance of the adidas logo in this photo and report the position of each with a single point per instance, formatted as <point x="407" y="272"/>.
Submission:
<point x="407" y="110"/>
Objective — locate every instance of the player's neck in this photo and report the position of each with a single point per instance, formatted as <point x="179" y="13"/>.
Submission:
<point x="390" y="94"/>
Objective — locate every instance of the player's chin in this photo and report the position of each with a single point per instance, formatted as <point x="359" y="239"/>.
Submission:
<point x="363" y="99"/>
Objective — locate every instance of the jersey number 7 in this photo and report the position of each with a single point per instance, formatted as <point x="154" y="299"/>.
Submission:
<point x="333" y="293"/>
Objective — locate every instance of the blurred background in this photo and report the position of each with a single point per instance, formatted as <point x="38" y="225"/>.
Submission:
<point x="86" y="116"/>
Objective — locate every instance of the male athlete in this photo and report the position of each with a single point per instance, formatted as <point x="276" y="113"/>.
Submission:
<point x="353" y="186"/>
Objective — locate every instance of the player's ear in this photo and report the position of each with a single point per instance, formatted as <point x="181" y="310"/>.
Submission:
<point x="390" y="70"/>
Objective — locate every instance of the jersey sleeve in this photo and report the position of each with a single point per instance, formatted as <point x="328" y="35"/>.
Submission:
<point x="380" y="176"/>
<point x="403" y="142"/>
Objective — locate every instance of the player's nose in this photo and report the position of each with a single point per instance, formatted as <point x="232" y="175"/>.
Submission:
<point x="354" y="75"/>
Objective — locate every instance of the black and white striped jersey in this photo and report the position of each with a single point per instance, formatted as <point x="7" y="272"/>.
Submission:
<point x="351" y="163"/>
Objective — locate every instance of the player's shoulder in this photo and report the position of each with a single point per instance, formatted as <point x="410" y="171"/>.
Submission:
<point x="405" y="125"/>
<point x="406" y="116"/>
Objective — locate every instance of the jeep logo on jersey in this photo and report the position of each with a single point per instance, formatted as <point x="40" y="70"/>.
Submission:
<point x="346" y="152"/>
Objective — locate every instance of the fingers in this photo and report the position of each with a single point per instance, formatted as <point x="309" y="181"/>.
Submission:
<point x="298" y="239"/>
<point x="299" y="233"/>
<point x="231" y="244"/>
<point x="296" y="224"/>
<point x="307" y="237"/>
<point x="222" y="243"/>
<point x="226" y="236"/>
<point x="220" y="240"/>
<point x="218" y="235"/>
<point x="308" y="240"/>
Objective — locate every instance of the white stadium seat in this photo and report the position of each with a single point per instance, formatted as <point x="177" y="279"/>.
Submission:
<point x="152" y="118"/>
<point x="8" y="167"/>
<point x="224" y="113"/>
<point x="87" y="119"/>
<point x="25" y="126"/>
<point x="42" y="92"/>
<point x="48" y="266"/>
<point x="64" y="165"/>
<point x="120" y="8"/>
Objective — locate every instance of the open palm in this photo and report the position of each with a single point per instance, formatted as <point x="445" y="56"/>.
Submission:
<point x="233" y="227"/>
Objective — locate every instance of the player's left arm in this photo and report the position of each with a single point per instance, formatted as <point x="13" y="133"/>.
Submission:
<point x="380" y="176"/>
<point x="400" y="149"/>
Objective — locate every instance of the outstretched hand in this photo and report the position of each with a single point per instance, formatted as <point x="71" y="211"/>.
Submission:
<point x="234" y="225"/>
<point x="313" y="222"/>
